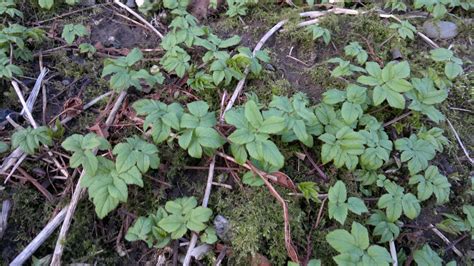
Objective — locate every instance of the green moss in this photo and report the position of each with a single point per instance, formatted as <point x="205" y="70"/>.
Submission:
<point x="257" y="224"/>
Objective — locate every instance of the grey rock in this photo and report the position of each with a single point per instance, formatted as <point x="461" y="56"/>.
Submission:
<point x="222" y="226"/>
<point x="88" y="2"/>
<point x="396" y="54"/>
<point x="440" y="29"/>
<point x="131" y="3"/>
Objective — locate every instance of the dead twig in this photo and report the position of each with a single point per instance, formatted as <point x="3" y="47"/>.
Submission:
<point x="240" y="85"/>
<point x="33" y="123"/>
<point x="71" y="13"/>
<point x="35" y="183"/>
<point x="6" y="205"/>
<point x="315" y="165"/>
<point x="135" y="14"/>
<point x="396" y="119"/>
<point x="446" y="240"/>
<point x="456" y="135"/>
<point x="309" y="242"/>
<point x="205" y="201"/>
<point x="40" y="238"/>
<point x="393" y="252"/>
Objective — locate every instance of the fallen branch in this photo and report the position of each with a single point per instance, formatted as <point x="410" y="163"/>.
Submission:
<point x="135" y="14"/>
<point x="78" y="191"/>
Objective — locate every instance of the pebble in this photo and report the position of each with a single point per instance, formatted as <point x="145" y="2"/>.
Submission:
<point x="222" y="226"/>
<point x="440" y="29"/>
<point x="131" y="3"/>
<point x="88" y="2"/>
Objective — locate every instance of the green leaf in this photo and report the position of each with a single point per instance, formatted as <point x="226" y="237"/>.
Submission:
<point x="416" y="151"/>
<point x="272" y="154"/>
<point x="338" y="192"/>
<point x="234" y="40"/>
<point x="379" y="255"/>
<point x="334" y="96"/>
<point x="29" y="140"/>
<point x="253" y="115"/>
<point x="452" y="70"/>
<point x="198" y="108"/>
<point x="356" y="205"/>
<point x="70" y="31"/>
<point x="351" y="112"/>
<point x="4" y="147"/>
<point x="411" y="206"/>
<point x="426" y="256"/>
<point x="361" y="235"/>
<point x="342" y="241"/>
<point x="172" y="223"/>
<point x="432" y="182"/>
<point x="46" y="4"/>
<point x="272" y="125"/>
<point x="249" y="178"/>
<point x="209" y="236"/>
<point x="208" y="137"/>
<point x="441" y="54"/>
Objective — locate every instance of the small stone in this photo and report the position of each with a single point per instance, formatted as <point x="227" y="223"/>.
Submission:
<point x="131" y="3"/>
<point x="396" y="54"/>
<point x="88" y="2"/>
<point x="222" y="226"/>
<point x="270" y="67"/>
<point x="440" y="29"/>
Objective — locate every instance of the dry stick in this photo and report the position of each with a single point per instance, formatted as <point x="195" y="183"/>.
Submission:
<point x="78" y="191"/>
<point x="48" y="230"/>
<point x="39" y="239"/>
<point x="460" y="142"/>
<point x="445" y="239"/>
<point x="71" y="13"/>
<point x="205" y="201"/>
<point x="396" y="119"/>
<point x="424" y="37"/>
<point x="6" y="205"/>
<point x="20" y="155"/>
<point x="241" y="83"/>
<point x="317" y="14"/>
<point x="88" y="105"/>
<point x="393" y="252"/>
<point x="33" y="123"/>
<point x="135" y="14"/>
<point x="17" y="153"/>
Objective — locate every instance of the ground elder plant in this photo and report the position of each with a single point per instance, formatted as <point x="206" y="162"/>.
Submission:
<point x="377" y="136"/>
